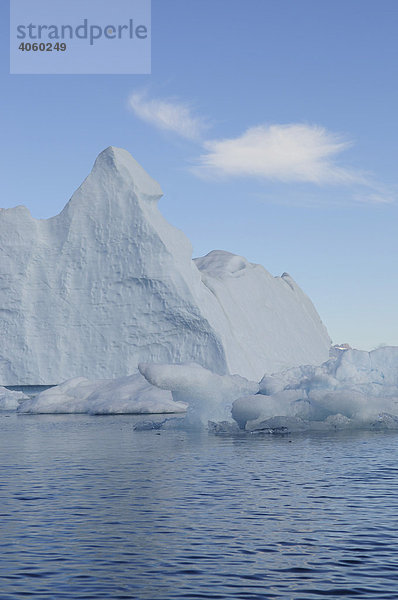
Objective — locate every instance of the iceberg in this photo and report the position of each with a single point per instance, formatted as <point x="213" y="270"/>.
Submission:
<point x="126" y="395"/>
<point x="109" y="283"/>
<point x="156" y="389"/>
<point x="353" y="389"/>
<point x="272" y="323"/>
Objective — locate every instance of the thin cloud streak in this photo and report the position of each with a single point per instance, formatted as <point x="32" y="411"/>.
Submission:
<point x="376" y="197"/>
<point x="168" y="115"/>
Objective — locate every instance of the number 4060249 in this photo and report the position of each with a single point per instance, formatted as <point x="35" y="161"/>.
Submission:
<point x="42" y="47"/>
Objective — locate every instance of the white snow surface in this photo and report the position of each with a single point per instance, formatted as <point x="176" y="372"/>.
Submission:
<point x="126" y="395"/>
<point x="109" y="283"/>
<point x="209" y="396"/>
<point x="354" y="389"/>
<point x="10" y="399"/>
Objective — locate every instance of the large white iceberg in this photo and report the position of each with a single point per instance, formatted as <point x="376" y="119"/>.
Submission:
<point x="356" y="388"/>
<point x="108" y="283"/>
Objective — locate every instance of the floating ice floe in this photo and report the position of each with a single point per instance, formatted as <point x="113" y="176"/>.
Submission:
<point x="355" y="389"/>
<point x="125" y="395"/>
<point x="209" y="396"/>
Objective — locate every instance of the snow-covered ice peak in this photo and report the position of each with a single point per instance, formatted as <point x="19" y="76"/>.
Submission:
<point x="109" y="283"/>
<point x="117" y="160"/>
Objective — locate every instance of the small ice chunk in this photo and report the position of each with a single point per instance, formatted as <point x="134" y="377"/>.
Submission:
<point x="338" y="421"/>
<point x="277" y="425"/>
<point x="250" y="408"/>
<point x="149" y="425"/>
<point x="222" y="427"/>
<point x="385" y="421"/>
<point x="209" y="396"/>
<point x="10" y="399"/>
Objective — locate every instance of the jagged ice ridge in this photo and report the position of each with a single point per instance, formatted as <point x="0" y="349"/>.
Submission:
<point x="109" y="283"/>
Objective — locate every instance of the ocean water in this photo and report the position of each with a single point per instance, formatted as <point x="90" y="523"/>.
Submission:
<point x="91" y="509"/>
<point x="29" y="390"/>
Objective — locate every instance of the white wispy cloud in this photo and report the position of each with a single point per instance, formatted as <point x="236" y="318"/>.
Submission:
<point x="168" y="114"/>
<point x="293" y="152"/>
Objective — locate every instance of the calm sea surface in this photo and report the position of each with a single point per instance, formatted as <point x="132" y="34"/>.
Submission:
<point x="91" y="509"/>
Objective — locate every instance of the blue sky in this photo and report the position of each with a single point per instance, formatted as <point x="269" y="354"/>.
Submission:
<point x="270" y="124"/>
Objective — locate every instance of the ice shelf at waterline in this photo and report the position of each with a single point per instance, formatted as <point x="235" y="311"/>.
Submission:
<point x="356" y="389"/>
<point x="109" y="283"/>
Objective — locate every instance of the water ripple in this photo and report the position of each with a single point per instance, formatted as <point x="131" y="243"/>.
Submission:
<point x="91" y="509"/>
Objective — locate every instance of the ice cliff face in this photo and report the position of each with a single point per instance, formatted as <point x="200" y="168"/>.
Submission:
<point x="108" y="283"/>
<point x="269" y="321"/>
